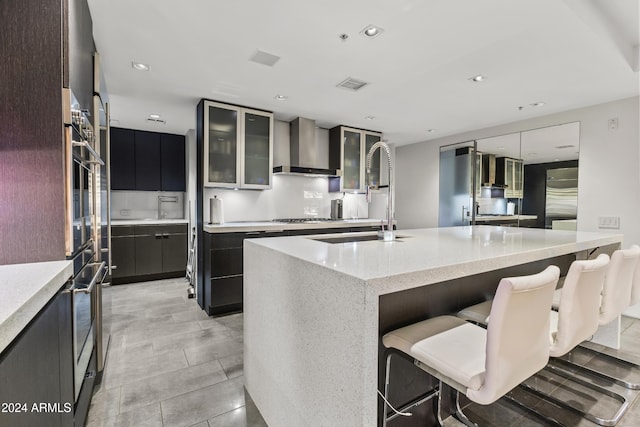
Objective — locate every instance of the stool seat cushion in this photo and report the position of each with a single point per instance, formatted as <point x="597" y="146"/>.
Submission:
<point x="404" y="338"/>
<point x="478" y="313"/>
<point x="457" y="353"/>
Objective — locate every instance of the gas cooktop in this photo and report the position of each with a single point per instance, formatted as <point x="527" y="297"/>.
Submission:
<point x="299" y="220"/>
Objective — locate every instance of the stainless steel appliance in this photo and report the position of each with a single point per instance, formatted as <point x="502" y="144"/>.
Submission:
<point x="83" y="290"/>
<point x="80" y="161"/>
<point x="561" y="198"/>
<point x="85" y="186"/>
<point x="336" y="209"/>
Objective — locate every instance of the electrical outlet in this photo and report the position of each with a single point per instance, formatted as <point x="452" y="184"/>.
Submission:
<point x="610" y="222"/>
<point x="613" y="123"/>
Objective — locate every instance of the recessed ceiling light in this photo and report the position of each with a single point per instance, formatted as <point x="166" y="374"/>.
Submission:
<point x="478" y="78"/>
<point x="371" y="31"/>
<point x="154" y="116"/>
<point x="431" y="130"/>
<point x="500" y="148"/>
<point x="537" y="104"/>
<point x="281" y="97"/>
<point x="370" y="117"/>
<point x="556" y="160"/>
<point x="139" y="66"/>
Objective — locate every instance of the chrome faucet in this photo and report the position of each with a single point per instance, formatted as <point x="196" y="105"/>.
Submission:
<point x="389" y="234"/>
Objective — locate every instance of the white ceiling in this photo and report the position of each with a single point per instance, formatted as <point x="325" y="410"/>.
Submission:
<point x="568" y="54"/>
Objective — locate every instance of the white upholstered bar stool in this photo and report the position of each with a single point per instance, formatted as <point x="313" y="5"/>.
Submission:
<point x="617" y="296"/>
<point x="485" y="364"/>
<point x="576" y="320"/>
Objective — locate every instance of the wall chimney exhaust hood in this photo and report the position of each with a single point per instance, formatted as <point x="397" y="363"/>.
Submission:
<point x="303" y="151"/>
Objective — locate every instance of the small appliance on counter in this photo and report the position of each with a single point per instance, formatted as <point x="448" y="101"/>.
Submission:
<point x="216" y="215"/>
<point x="336" y="209"/>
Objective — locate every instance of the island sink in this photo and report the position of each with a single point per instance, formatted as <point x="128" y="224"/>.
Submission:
<point x="351" y="239"/>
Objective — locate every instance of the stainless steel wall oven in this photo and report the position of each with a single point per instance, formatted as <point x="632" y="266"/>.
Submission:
<point x="83" y="247"/>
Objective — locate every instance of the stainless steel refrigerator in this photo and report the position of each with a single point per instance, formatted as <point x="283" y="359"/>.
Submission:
<point x="561" y="198"/>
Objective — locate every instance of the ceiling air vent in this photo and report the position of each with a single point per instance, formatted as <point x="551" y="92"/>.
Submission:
<point x="352" y="84"/>
<point x="264" y="58"/>
<point x="160" y="121"/>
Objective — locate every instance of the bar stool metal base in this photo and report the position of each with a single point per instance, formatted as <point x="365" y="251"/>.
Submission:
<point x="624" y="404"/>
<point x="627" y="384"/>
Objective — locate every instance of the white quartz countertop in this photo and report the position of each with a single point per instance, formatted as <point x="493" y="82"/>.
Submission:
<point x="148" y="221"/>
<point x="229" y="227"/>
<point x="24" y="290"/>
<point x="436" y="254"/>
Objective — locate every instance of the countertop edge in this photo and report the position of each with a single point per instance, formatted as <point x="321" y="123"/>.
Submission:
<point x="233" y="227"/>
<point x="38" y="297"/>
<point x="117" y="222"/>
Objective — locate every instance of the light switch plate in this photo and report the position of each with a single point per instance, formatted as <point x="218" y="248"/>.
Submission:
<point x="609" y="222"/>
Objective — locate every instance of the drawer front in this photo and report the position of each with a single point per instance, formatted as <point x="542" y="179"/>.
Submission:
<point x="147" y="230"/>
<point x="174" y="228"/>
<point x="122" y="230"/>
<point x="235" y="240"/>
<point x="226" y="291"/>
<point x="226" y="262"/>
<point x="226" y="240"/>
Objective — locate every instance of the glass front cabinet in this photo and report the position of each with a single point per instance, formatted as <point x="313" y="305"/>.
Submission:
<point x="238" y="146"/>
<point x="348" y="148"/>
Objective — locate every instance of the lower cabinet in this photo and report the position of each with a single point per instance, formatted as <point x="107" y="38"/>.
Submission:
<point x="142" y="252"/>
<point x="36" y="371"/>
<point x="223" y="265"/>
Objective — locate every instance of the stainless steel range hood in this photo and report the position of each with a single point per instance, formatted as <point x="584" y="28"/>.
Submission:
<point x="303" y="151"/>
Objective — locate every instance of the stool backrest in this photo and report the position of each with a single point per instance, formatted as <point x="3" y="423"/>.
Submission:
<point x="518" y="333"/>
<point x="578" y="313"/>
<point x="616" y="293"/>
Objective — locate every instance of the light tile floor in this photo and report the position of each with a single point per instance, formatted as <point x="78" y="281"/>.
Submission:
<point x="169" y="364"/>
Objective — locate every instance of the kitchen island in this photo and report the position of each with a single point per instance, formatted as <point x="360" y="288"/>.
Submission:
<point x="315" y="309"/>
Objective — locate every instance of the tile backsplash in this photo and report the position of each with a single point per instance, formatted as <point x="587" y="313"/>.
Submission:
<point x="291" y="196"/>
<point x="147" y="204"/>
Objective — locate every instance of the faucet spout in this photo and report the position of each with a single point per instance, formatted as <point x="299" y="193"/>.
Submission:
<point x="384" y="147"/>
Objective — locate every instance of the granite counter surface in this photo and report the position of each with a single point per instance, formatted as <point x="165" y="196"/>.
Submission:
<point x="24" y="290"/>
<point x="436" y="254"/>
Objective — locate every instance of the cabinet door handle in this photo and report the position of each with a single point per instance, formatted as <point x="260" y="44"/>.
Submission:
<point x="158" y="236"/>
<point x="165" y="236"/>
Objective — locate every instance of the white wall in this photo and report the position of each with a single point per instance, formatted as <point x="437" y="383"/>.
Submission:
<point x="609" y="180"/>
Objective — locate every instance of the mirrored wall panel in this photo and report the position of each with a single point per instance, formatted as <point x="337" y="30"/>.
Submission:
<point x="526" y="179"/>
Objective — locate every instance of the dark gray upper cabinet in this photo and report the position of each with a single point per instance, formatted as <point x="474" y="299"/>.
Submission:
<point x="172" y="162"/>
<point x="122" y="159"/>
<point x="148" y="161"/>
